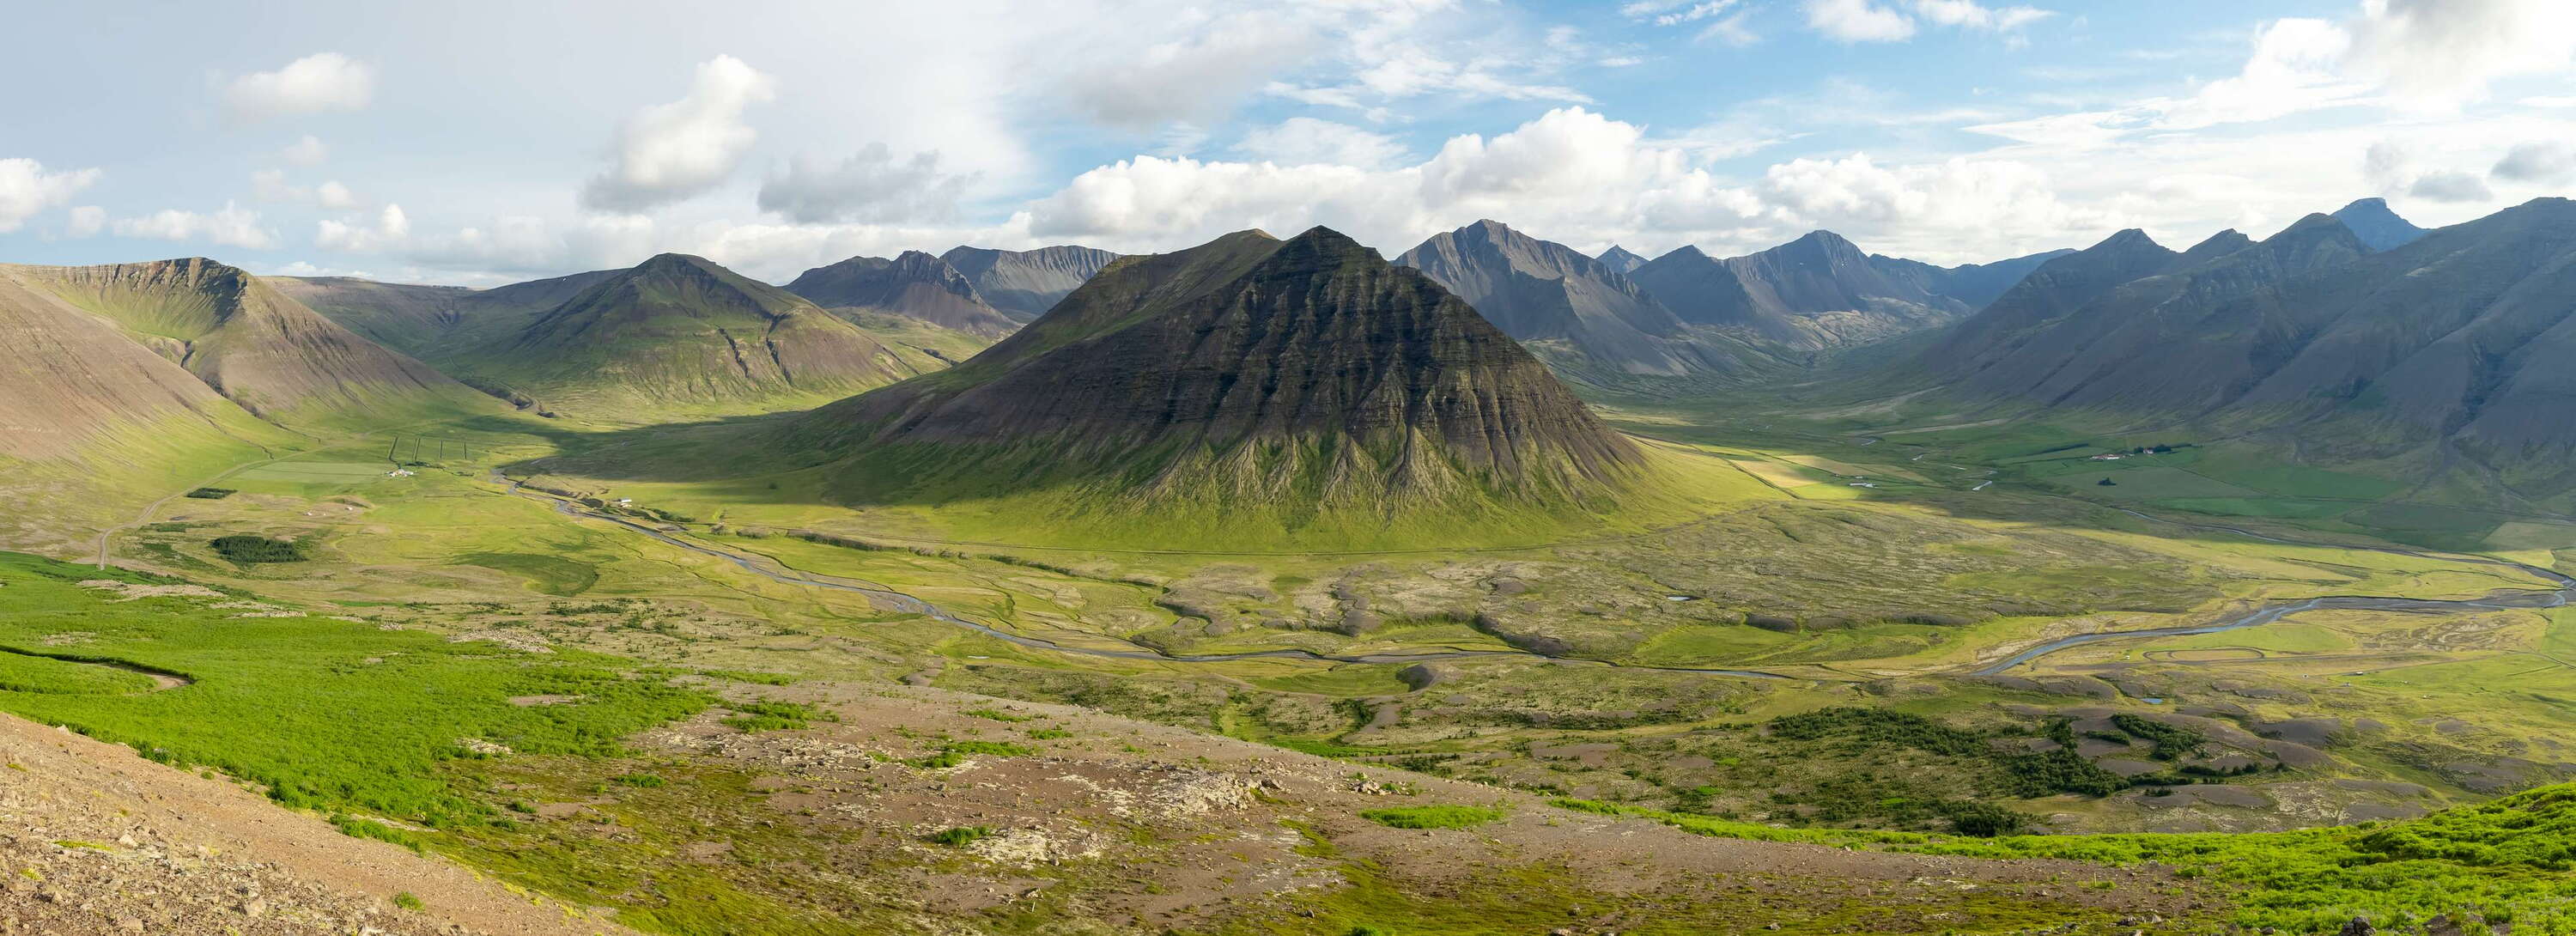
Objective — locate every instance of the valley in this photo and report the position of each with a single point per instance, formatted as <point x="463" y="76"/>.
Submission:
<point x="1269" y="587"/>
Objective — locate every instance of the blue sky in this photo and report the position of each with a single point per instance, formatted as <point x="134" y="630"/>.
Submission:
<point x="480" y="143"/>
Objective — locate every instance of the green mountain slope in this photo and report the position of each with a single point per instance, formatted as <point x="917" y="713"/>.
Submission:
<point x="433" y="323"/>
<point x="680" y="335"/>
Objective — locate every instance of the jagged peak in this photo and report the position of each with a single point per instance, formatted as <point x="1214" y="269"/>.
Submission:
<point x="1685" y="251"/>
<point x="2314" y="225"/>
<point x="2127" y="239"/>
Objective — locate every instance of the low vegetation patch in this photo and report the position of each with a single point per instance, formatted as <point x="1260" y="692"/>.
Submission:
<point x="1433" y="817"/>
<point x="766" y="715"/>
<point x="959" y="836"/>
<point x="245" y="549"/>
<point x="212" y="493"/>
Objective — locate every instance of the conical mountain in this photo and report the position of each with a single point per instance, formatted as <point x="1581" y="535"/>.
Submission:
<point x="1024" y="284"/>
<point x="1256" y="375"/>
<point x="1556" y="299"/>
<point x="1619" y="260"/>
<point x="915" y="285"/>
<point x="2376" y="225"/>
<point x="681" y="333"/>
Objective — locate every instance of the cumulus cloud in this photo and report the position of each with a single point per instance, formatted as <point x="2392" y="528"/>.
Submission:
<point x="2441" y="53"/>
<point x="1575" y="176"/>
<point x="2541" y="161"/>
<point x="229" y="227"/>
<point x="390" y="228"/>
<point x="308" y="151"/>
<point x="2450" y="187"/>
<point x="1303" y="140"/>
<point x="26" y="189"/>
<point x="669" y="152"/>
<point x="270" y="185"/>
<point x="1858" y="21"/>
<point x="324" y="81"/>
<point x="871" y="186"/>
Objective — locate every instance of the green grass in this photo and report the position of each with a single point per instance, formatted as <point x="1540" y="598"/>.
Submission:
<point x="31" y="672"/>
<point x="959" y="836"/>
<point x="545" y="573"/>
<point x="324" y="714"/>
<point x="1433" y="817"/>
<point x="766" y="715"/>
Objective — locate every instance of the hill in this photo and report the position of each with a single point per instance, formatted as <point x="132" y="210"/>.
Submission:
<point x="2372" y="221"/>
<point x="1820" y="291"/>
<point x="682" y="334"/>
<point x="915" y="285"/>
<point x="1573" y="310"/>
<point x="1024" y="284"/>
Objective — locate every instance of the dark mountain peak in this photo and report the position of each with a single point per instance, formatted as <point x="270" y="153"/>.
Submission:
<point x="1536" y="290"/>
<point x="677" y="263"/>
<point x="1250" y="364"/>
<point x="1620" y="259"/>
<point x="1824" y="240"/>
<point x="1685" y="252"/>
<point x="2315" y="241"/>
<point x="2378" y="227"/>
<point x="2128" y="239"/>
<point x="1024" y="284"/>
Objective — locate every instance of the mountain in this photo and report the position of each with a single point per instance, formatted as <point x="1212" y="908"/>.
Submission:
<point x="1562" y="303"/>
<point x="2440" y="361"/>
<point x="2100" y="329"/>
<point x="1820" y="291"/>
<point x="122" y="384"/>
<point x="248" y="341"/>
<point x="2376" y="225"/>
<point x="1024" y="284"/>
<point x="681" y="332"/>
<point x="916" y="285"/>
<point x="1249" y="377"/>
<point x="432" y="323"/>
<point x="1619" y="260"/>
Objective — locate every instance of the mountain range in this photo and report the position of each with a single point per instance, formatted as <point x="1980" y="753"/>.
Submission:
<point x="1821" y="291"/>
<point x="2441" y="358"/>
<point x="1250" y="373"/>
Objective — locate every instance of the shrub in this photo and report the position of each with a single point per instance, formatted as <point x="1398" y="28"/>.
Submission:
<point x="958" y="836"/>
<point x="244" y="549"/>
<point x="1433" y="817"/>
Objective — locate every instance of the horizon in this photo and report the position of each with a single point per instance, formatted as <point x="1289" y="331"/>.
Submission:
<point x="373" y="143"/>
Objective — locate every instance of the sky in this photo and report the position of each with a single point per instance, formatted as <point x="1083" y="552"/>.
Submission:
<point x="479" y="143"/>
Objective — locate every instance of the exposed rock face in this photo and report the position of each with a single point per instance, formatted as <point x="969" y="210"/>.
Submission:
<point x="1537" y="291"/>
<point x="1619" y="260"/>
<point x="2376" y="225"/>
<point x="1024" y="284"/>
<point x="1821" y="291"/>
<point x="682" y="330"/>
<point x="1256" y="364"/>
<point x="915" y="285"/>
<point x="243" y="338"/>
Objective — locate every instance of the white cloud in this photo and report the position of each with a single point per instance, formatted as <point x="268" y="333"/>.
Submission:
<point x="324" y="81"/>
<point x="2540" y="161"/>
<point x="270" y="185"/>
<point x="308" y="151"/>
<point x="26" y="189"/>
<point x="1195" y="77"/>
<point x="86" y="221"/>
<point x="871" y="186"/>
<point x="1968" y="14"/>
<point x="2450" y="187"/>
<point x="391" y="228"/>
<point x="2296" y="66"/>
<point x="1857" y="21"/>
<point x="669" y="152"/>
<point x="2441" y="53"/>
<point x="1578" y="177"/>
<point x="229" y="227"/>
<point x="1305" y="140"/>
